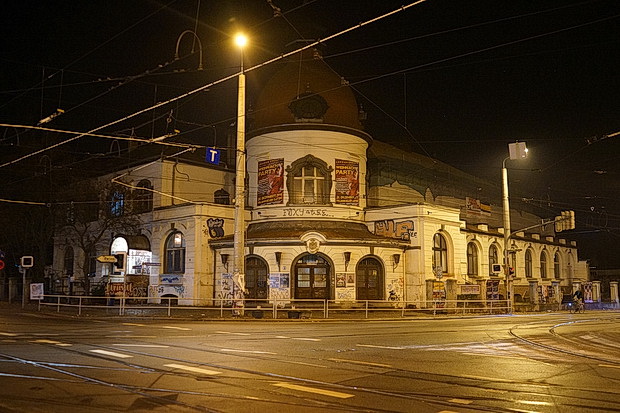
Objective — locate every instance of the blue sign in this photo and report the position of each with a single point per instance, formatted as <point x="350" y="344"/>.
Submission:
<point x="213" y="156"/>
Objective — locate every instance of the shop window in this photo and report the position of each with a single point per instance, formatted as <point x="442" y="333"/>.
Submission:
<point x="440" y="253"/>
<point x="309" y="182"/>
<point x="472" y="259"/>
<point x="528" y="263"/>
<point x="175" y="253"/>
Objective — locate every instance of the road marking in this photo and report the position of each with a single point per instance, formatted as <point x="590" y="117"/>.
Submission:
<point x="9" y="334"/>
<point x="365" y="363"/>
<point x="460" y="401"/>
<point x="177" y="328"/>
<point x="193" y="369"/>
<point x="534" y="402"/>
<point x="142" y="345"/>
<point x="613" y="366"/>
<point x="58" y="343"/>
<point x="134" y="324"/>
<point x="307" y="389"/>
<point x="282" y="337"/>
<point x="131" y="336"/>
<point x="111" y="353"/>
<point x="386" y="347"/>
<point x="234" y="334"/>
<point x="230" y="350"/>
<point x="306" y="339"/>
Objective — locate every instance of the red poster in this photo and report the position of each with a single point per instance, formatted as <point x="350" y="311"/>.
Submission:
<point x="270" y="182"/>
<point x="347" y="182"/>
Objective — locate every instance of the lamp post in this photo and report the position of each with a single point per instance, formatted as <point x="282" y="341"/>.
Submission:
<point x="239" y="236"/>
<point x="517" y="150"/>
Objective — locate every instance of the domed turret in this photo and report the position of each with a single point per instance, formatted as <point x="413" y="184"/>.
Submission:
<point x="306" y="90"/>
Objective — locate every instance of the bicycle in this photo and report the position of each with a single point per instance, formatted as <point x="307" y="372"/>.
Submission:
<point x="576" y="307"/>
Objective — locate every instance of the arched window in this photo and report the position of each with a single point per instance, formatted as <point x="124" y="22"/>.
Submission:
<point x="556" y="265"/>
<point x="309" y="181"/>
<point x="256" y="278"/>
<point x="472" y="259"/>
<point x="528" y="263"/>
<point x="143" y="197"/>
<point x="369" y="280"/>
<point x="440" y="253"/>
<point x="175" y="253"/>
<point x="68" y="265"/>
<point x="543" y="264"/>
<point x="221" y="197"/>
<point x="493" y="257"/>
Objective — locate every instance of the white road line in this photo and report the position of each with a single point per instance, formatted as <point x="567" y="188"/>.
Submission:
<point x="177" y="328"/>
<point x="193" y="369"/>
<point x="306" y="339"/>
<point x="234" y="334"/>
<point x="613" y="366"/>
<point x="364" y="363"/>
<point x="124" y="336"/>
<point x="57" y="343"/>
<point x="141" y="345"/>
<point x="386" y="347"/>
<point x="460" y="401"/>
<point x="231" y="350"/>
<point x="134" y="324"/>
<point x="307" y="389"/>
<point x="9" y="334"/>
<point x="282" y="337"/>
<point x="111" y="353"/>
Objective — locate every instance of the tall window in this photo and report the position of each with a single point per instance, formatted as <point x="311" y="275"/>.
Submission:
<point x="556" y="265"/>
<point x="493" y="257"/>
<point x="117" y="204"/>
<point x="143" y="197"/>
<point x="309" y="181"/>
<point x="69" y="257"/>
<point x="175" y="253"/>
<point x="472" y="259"/>
<point x="440" y="253"/>
<point x="528" y="263"/>
<point x="543" y="264"/>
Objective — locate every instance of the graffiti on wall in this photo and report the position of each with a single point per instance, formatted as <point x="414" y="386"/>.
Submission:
<point x="401" y="230"/>
<point x="345" y="294"/>
<point x="215" y="227"/>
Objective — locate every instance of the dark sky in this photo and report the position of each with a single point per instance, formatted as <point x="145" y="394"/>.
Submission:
<point x="455" y="80"/>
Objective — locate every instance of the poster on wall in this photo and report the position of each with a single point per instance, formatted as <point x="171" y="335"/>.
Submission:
<point x="347" y="182"/>
<point x="492" y="289"/>
<point x="341" y="280"/>
<point x="270" y="189"/>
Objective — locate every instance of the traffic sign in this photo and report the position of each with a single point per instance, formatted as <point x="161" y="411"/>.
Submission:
<point x="106" y="258"/>
<point x="213" y="156"/>
<point x="1" y="265"/>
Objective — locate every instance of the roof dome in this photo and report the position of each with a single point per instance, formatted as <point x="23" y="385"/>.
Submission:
<point x="306" y="90"/>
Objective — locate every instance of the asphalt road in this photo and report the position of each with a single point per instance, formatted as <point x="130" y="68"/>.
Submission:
<point x="555" y="362"/>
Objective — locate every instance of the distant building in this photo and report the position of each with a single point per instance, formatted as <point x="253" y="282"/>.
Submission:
<point x="331" y="214"/>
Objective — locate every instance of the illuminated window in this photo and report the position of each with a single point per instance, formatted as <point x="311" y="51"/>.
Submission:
<point x="117" y="204"/>
<point x="175" y="253"/>
<point x="309" y="181"/>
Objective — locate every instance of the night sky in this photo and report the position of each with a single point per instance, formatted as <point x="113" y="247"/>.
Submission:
<point x="454" y="80"/>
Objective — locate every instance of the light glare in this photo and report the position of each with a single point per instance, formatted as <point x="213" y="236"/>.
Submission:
<point x="241" y="40"/>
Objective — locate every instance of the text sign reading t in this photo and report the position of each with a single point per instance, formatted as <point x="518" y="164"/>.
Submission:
<point x="213" y="156"/>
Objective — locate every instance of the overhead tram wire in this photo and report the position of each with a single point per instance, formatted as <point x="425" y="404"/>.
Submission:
<point x="222" y="80"/>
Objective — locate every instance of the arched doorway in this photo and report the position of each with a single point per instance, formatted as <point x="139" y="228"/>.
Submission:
<point x="369" y="280"/>
<point x="312" y="275"/>
<point x="256" y="279"/>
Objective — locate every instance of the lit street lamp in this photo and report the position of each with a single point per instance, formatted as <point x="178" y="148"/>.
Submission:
<point x="239" y="237"/>
<point x="517" y="150"/>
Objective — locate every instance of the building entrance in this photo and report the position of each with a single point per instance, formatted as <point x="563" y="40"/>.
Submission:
<point x="256" y="279"/>
<point x="312" y="274"/>
<point x="369" y="282"/>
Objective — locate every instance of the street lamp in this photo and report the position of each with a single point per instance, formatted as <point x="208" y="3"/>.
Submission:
<point x="239" y="237"/>
<point x="516" y="150"/>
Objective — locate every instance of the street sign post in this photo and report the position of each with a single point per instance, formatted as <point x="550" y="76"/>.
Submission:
<point x="106" y="258"/>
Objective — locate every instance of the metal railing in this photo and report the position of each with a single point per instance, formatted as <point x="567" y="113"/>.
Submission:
<point x="268" y="308"/>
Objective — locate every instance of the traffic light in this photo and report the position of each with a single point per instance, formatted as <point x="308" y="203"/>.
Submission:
<point x="121" y="262"/>
<point x="565" y="222"/>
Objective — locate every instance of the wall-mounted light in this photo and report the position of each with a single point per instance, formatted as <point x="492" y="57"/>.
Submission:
<point x="347" y="259"/>
<point x="278" y="258"/>
<point x="224" y="258"/>
<point x="395" y="260"/>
